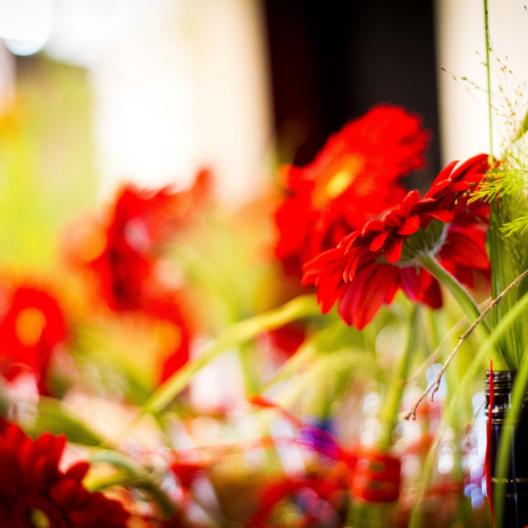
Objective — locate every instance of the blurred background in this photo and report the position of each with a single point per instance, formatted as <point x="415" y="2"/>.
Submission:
<point x="149" y="90"/>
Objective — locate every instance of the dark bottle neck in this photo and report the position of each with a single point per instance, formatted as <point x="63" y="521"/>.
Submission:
<point x="503" y="381"/>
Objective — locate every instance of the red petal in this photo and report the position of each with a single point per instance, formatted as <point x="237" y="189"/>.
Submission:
<point x="393" y="251"/>
<point x="392" y="218"/>
<point x="442" y="176"/>
<point x="410" y="226"/>
<point x="466" y="247"/>
<point x="378" y="241"/>
<point x="410" y="200"/>
<point x="78" y="471"/>
<point x="442" y="215"/>
<point x="420" y="286"/>
<point x="363" y="298"/>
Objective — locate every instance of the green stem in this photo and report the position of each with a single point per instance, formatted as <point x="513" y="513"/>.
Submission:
<point x="433" y="327"/>
<point x="466" y="303"/>
<point x="488" y="75"/>
<point x="123" y="479"/>
<point x="235" y="335"/>
<point x="138" y="478"/>
<point x="246" y="357"/>
<point x="389" y="415"/>
<point x="458" y="425"/>
<point x="501" y="272"/>
<point x="461" y="295"/>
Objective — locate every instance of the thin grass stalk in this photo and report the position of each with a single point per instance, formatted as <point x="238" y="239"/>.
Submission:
<point x="391" y="411"/>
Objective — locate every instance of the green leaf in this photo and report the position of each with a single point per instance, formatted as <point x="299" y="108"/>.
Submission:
<point x="53" y="417"/>
<point x="230" y="338"/>
<point x="131" y="475"/>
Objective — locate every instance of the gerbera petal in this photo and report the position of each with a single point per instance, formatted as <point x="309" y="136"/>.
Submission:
<point x="372" y="226"/>
<point x="78" y="471"/>
<point x="362" y="300"/>
<point x="410" y="225"/>
<point x="392" y="218"/>
<point x="431" y="293"/>
<point x="476" y="165"/>
<point x="378" y="241"/>
<point x="441" y="215"/>
<point x="393" y="250"/>
<point x="442" y="176"/>
<point x="44" y="486"/>
<point x="466" y="247"/>
<point x="410" y="282"/>
<point x="409" y="201"/>
<point x="420" y="286"/>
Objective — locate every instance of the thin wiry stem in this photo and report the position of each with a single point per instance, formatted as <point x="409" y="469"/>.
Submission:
<point x="434" y="386"/>
<point x="488" y="75"/>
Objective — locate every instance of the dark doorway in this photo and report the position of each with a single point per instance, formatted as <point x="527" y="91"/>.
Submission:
<point x="331" y="61"/>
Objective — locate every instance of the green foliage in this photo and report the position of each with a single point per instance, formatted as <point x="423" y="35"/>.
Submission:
<point x="52" y="416"/>
<point x="232" y="337"/>
<point x="506" y="189"/>
<point x="46" y="163"/>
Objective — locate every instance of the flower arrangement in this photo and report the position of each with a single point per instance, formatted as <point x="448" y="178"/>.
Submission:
<point x="179" y="366"/>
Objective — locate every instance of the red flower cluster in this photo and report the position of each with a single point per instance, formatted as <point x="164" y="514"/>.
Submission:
<point x="34" y="490"/>
<point x="32" y="326"/>
<point x="355" y="177"/>
<point x="122" y="255"/>
<point x="368" y="266"/>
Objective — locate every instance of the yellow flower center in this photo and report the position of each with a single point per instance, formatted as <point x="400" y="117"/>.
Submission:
<point x="29" y="326"/>
<point x="334" y="185"/>
<point x="39" y="519"/>
<point x="338" y="183"/>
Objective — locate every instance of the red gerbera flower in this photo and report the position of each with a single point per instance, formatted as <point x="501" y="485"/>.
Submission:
<point x="32" y="326"/>
<point x="123" y="253"/>
<point x="368" y="266"/>
<point x="354" y="177"/>
<point x="34" y="489"/>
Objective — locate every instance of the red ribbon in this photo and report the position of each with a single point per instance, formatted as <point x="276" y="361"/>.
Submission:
<point x="376" y="476"/>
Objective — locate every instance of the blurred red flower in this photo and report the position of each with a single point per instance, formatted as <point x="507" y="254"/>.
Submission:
<point x="33" y="489"/>
<point x="286" y="339"/>
<point x="32" y="326"/>
<point x="354" y="177"/>
<point x="368" y="266"/>
<point x="171" y="308"/>
<point x="122" y="256"/>
<point x="321" y="499"/>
